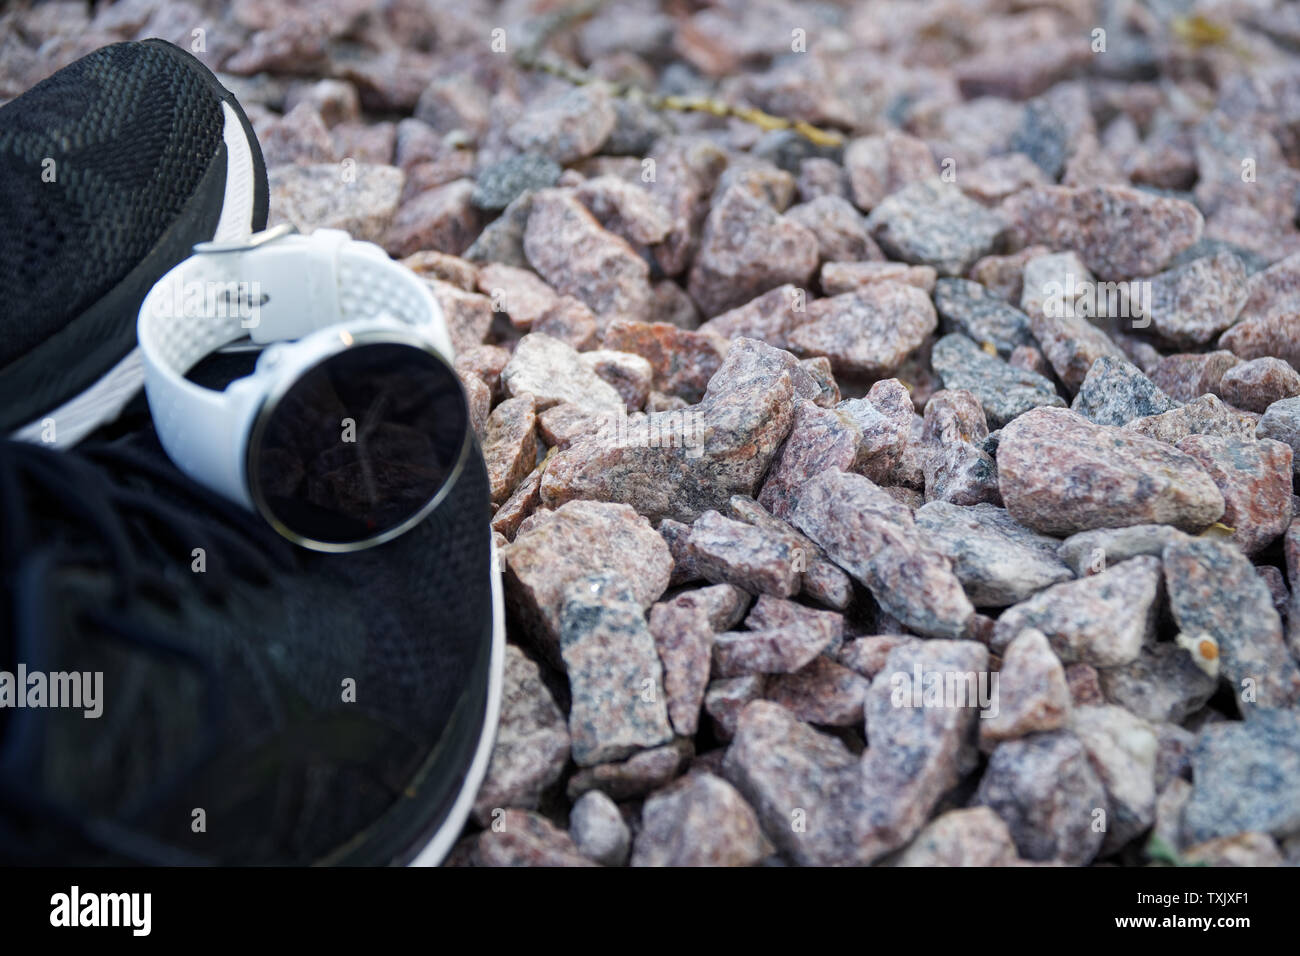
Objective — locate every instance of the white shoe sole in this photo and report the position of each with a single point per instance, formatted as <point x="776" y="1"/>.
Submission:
<point x="103" y="401"/>
<point x="436" y="850"/>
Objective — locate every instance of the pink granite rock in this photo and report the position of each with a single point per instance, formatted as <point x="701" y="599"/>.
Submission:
<point x="683" y="462"/>
<point x="1119" y="232"/>
<point x="441" y="219"/>
<point x="510" y="445"/>
<point x="1255" y="479"/>
<point x="554" y="548"/>
<point x="878" y="166"/>
<point x="1032" y="693"/>
<point x="684" y="629"/>
<point x="870" y="330"/>
<point x="699" y="821"/>
<point x="746" y="249"/>
<point x="532" y="742"/>
<point x="577" y="257"/>
<point x="682" y="361"/>
<point x="1060" y="473"/>
<point x="1257" y="384"/>
<point x="874" y="538"/>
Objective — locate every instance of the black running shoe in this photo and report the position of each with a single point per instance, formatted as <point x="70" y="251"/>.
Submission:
<point x="259" y="703"/>
<point x="110" y="171"/>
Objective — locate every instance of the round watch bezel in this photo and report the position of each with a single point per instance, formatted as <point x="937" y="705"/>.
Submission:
<point x="342" y="341"/>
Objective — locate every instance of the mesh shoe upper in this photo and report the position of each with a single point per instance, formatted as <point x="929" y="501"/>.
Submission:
<point x="131" y="130"/>
<point x="224" y="689"/>
<point x="110" y="171"/>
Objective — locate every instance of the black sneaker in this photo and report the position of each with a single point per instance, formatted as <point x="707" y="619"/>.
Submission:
<point x="259" y="703"/>
<point x="110" y="171"/>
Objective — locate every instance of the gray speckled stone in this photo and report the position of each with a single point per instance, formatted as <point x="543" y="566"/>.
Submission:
<point x="1246" y="776"/>
<point x="1213" y="589"/>
<point x="598" y="829"/>
<point x="874" y="538"/>
<point x="502" y="240"/>
<point x="933" y="223"/>
<point x="1046" y="790"/>
<point x="982" y="316"/>
<point x="999" y="561"/>
<point x="498" y="185"/>
<point x="1115" y="392"/>
<point x="613" y="668"/>
<point x="1163" y="684"/>
<point x="1003" y="390"/>
<point x="1101" y="620"/>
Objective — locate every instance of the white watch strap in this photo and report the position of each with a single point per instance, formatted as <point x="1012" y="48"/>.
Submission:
<point x="272" y="287"/>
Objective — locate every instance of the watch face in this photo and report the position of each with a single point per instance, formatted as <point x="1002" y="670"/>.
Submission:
<point x="360" y="447"/>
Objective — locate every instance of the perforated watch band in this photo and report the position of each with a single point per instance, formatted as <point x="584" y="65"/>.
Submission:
<point x="272" y="287"/>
